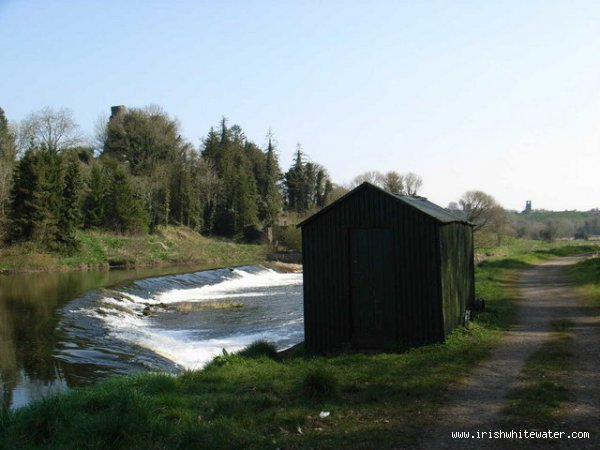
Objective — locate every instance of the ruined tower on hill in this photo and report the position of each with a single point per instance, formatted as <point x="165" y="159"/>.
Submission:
<point x="116" y="111"/>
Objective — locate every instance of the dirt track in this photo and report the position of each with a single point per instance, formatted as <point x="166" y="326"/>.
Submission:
<point x="476" y="403"/>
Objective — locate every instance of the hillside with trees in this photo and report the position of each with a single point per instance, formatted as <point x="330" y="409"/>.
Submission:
<point x="142" y="174"/>
<point x="548" y="225"/>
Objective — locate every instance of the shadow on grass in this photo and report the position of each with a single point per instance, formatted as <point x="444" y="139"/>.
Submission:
<point x="544" y="381"/>
<point x="506" y="264"/>
<point x="349" y="401"/>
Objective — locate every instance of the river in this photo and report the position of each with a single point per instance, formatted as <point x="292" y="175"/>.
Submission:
<point x="70" y="329"/>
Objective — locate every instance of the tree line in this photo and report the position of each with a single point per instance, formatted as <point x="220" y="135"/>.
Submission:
<point x="143" y="174"/>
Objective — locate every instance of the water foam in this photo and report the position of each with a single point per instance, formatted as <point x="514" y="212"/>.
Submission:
<point x="241" y="284"/>
<point x="190" y="344"/>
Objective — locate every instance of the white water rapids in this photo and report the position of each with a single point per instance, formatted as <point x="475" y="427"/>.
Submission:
<point x="143" y="323"/>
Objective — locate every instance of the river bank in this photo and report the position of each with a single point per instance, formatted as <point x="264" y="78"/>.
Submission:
<point x="258" y="400"/>
<point x="68" y="329"/>
<point x="98" y="250"/>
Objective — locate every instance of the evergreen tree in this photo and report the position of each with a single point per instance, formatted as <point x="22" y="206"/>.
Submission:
<point x="225" y="133"/>
<point x="209" y="190"/>
<point x="8" y="148"/>
<point x="70" y="212"/>
<point x="295" y="182"/>
<point x="8" y="152"/>
<point x="127" y="214"/>
<point x="188" y="178"/>
<point x="188" y="201"/>
<point x="237" y="162"/>
<point x="211" y="147"/>
<point x="307" y="185"/>
<point x="243" y="199"/>
<point x="271" y="193"/>
<point x="36" y="197"/>
<point x="25" y="197"/>
<point x="96" y="201"/>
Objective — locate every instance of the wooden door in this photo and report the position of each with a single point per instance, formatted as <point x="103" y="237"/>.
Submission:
<point x="372" y="288"/>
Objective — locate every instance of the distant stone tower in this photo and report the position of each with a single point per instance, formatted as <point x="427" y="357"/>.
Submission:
<point x="116" y="111"/>
<point x="527" y="209"/>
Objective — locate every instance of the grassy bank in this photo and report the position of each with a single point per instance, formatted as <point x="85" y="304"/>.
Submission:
<point x="168" y="246"/>
<point x="259" y="401"/>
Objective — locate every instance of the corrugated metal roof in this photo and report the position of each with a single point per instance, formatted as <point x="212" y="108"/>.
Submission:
<point x="421" y="203"/>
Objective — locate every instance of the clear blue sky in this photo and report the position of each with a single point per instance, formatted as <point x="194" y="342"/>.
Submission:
<point x="501" y="96"/>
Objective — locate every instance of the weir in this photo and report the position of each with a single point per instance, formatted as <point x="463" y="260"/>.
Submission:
<point x="153" y="323"/>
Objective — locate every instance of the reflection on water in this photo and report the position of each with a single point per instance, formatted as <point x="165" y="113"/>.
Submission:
<point x="28" y="329"/>
<point x="59" y="330"/>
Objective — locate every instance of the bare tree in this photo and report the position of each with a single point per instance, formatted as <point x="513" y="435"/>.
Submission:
<point x="210" y="188"/>
<point x="56" y="130"/>
<point x="392" y="181"/>
<point x="412" y="183"/>
<point x="336" y="192"/>
<point x="482" y="210"/>
<point x="6" y="169"/>
<point x="100" y="133"/>
<point x="372" y="176"/>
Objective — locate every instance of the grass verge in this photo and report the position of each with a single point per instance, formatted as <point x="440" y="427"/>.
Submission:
<point x="586" y="275"/>
<point x="257" y="400"/>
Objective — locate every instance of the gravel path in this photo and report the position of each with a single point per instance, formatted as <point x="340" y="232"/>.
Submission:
<point x="475" y="403"/>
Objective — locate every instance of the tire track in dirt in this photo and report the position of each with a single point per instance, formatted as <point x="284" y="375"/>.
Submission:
<point x="476" y="402"/>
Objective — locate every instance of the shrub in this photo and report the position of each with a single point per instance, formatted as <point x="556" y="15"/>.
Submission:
<point x="258" y="349"/>
<point x="319" y="384"/>
<point x="289" y="237"/>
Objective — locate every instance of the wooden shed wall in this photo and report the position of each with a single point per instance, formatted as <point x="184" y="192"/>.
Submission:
<point x="416" y="309"/>
<point x="458" y="283"/>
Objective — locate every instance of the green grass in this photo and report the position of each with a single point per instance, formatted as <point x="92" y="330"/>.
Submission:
<point x="168" y="246"/>
<point x="375" y="401"/>
<point x="536" y="402"/>
<point x="586" y="275"/>
<point x="497" y="273"/>
<point x="529" y="252"/>
<point x="539" y="399"/>
<point x="259" y="400"/>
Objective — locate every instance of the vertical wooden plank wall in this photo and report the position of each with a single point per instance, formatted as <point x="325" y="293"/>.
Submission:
<point x="417" y="293"/>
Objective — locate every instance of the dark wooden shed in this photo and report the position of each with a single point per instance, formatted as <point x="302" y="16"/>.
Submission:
<point x="382" y="271"/>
